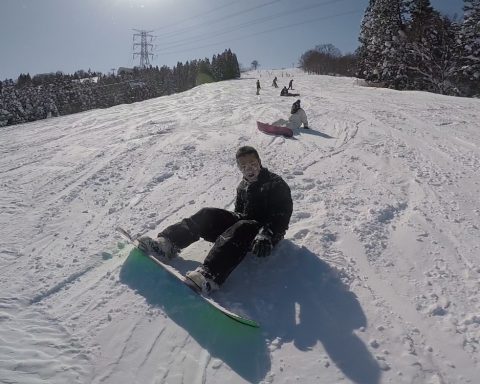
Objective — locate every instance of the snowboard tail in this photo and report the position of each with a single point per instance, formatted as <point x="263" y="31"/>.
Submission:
<point x="178" y="276"/>
<point x="274" y="129"/>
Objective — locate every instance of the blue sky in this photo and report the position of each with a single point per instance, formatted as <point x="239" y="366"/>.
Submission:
<point x="38" y="36"/>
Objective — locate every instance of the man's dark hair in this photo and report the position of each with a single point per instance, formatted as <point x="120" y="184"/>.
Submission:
<point x="246" y="150"/>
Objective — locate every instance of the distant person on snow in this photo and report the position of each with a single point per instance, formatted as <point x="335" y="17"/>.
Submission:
<point x="284" y="92"/>
<point x="263" y="207"/>
<point x="258" y="87"/>
<point x="290" y="85"/>
<point x="274" y="83"/>
<point x="296" y="119"/>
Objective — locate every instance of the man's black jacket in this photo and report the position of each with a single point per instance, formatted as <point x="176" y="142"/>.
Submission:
<point x="268" y="201"/>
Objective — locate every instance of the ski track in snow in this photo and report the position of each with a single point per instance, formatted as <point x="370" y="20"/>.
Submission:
<point x="376" y="282"/>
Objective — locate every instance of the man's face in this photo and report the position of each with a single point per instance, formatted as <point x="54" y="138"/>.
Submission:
<point x="250" y="167"/>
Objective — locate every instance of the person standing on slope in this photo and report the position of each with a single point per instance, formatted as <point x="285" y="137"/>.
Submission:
<point x="290" y="85"/>
<point x="263" y="208"/>
<point x="258" y="87"/>
<point x="274" y="83"/>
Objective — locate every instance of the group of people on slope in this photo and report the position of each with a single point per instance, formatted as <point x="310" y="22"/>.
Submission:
<point x="283" y="92"/>
<point x="297" y="114"/>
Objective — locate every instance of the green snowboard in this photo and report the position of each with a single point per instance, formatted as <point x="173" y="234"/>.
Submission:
<point x="175" y="273"/>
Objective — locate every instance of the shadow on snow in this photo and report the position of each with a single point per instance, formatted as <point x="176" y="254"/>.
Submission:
<point x="299" y="298"/>
<point x="313" y="132"/>
<point x="294" y="295"/>
<point x="239" y="346"/>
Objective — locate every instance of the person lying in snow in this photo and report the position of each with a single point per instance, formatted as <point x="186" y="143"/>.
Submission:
<point x="296" y="119"/>
<point x="263" y="208"/>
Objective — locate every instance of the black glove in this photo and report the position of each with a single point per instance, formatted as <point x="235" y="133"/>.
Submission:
<point x="262" y="244"/>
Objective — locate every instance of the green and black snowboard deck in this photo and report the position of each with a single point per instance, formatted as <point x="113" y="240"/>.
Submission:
<point x="178" y="276"/>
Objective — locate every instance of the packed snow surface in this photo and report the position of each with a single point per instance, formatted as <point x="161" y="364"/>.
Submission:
<point x="377" y="280"/>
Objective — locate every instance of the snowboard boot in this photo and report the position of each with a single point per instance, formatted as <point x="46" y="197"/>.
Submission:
<point x="202" y="280"/>
<point x="161" y="248"/>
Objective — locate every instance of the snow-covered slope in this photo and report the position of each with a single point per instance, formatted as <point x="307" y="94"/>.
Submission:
<point x="376" y="282"/>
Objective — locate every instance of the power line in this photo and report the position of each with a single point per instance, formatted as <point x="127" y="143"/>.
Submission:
<point x="269" y="30"/>
<point x="223" y="18"/>
<point x="243" y="25"/>
<point x="198" y="15"/>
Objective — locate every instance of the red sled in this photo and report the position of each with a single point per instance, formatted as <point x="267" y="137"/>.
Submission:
<point x="274" y="129"/>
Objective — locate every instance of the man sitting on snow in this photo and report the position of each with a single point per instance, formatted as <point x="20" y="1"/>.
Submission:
<point x="284" y="92"/>
<point x="262" y="213"/>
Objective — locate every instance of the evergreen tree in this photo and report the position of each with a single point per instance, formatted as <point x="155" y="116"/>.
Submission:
<point x="367" y="57"/>
<point x="382" y="37"/>
<point x="54" y="94"/>
<point x="236" y="66"/>
<point x="24" y="80"/>
<point x="204" y="73"/>
<point x="229" y="69"/>
<point x="217" y="67"/>
<point x="168" y="79"/>
<point x="470" y="41"/>
<point x="430" y="50"/>
<point x="423" y="18"/>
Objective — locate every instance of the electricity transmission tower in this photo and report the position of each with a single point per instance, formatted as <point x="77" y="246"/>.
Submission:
<point x="145" y="47"/>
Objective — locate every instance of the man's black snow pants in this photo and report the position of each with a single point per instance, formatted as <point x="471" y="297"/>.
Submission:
<point x="232" y="236"/>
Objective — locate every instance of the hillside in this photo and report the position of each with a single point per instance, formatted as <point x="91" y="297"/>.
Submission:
<point x="377" y="280"/>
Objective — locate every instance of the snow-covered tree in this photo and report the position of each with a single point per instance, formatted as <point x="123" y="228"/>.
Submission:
<point x="431" y="50"/>
<point x="225" y="66"/>
<point x="54" y="94"/>
<point x="236" y="66"/>
<point x="215" y="67"/>
<point x="24" y="80"/>
<point x="382" y="51"/>
<point x="231" y="69"/>
<point x="365" y="56"/>
<point x="470" y="41"/>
